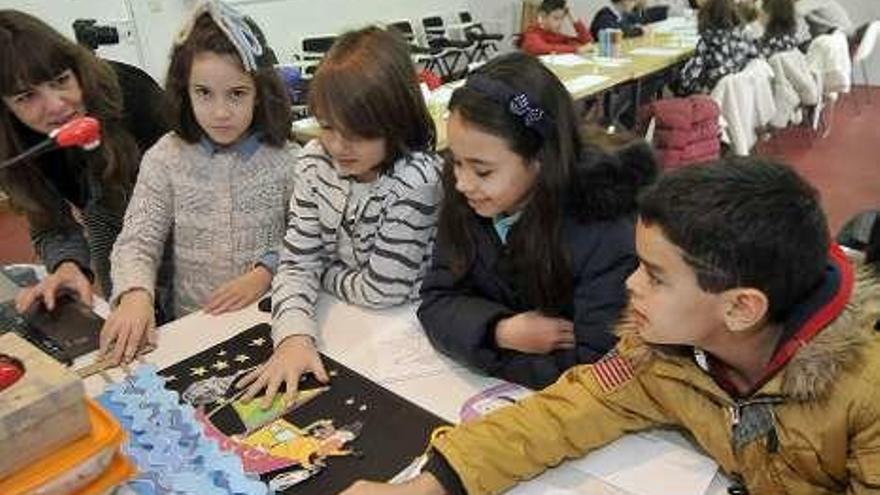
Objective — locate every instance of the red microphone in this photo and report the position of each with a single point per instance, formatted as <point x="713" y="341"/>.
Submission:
<point x="84" y="132"/>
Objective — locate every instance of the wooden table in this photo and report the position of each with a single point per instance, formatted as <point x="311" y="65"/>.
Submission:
<point x="670" y="43"/>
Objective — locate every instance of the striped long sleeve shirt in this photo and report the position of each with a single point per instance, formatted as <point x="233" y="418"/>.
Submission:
<point x="367" y="244"/>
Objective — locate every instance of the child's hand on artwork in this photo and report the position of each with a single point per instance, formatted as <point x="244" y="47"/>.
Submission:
<point x="293" y="357"/>
<point x="534" y="333"/>
<point x="239" y="292"/>
<point x="131" y="325"/>
<point x="423" y="484"/>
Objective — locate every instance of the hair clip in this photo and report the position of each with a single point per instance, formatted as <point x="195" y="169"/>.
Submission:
<point x="520" y="106"/>
<point x="517" y="104"/>
<point x="234" y="25"/>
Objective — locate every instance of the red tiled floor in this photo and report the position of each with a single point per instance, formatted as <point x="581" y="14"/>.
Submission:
<point x="15" y="244"/>
<point x="845" y="165"/>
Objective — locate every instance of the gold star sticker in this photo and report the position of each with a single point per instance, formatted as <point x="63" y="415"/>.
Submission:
<point x="198" y="371"/>
<point x="258" y="342"/>
<point x="220" y="365"/>
<point x="241" y="358"/>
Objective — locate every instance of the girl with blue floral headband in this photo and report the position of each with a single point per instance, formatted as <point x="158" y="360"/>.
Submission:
<point x="218" y="184"/>
<point x="535" y="238"/>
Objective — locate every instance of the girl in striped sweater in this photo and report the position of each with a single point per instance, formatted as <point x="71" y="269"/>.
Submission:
<point x="365" y="200"/>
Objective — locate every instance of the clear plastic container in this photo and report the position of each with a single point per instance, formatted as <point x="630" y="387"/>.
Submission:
<point x="91" y="465"/>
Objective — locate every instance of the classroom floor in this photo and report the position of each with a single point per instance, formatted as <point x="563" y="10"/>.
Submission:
<point x="843" y="166"/>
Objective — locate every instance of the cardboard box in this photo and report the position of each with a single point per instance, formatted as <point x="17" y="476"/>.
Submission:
<point x="42" y="411"/>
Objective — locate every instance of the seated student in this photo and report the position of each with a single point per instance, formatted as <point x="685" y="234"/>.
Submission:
<point x="777" y="17"/>
<point x="816" y="17"/>
<point x="617" y="16"/>
<point x="647" y="12"/>
<point x="745" y="329"/>
<point x="535" y="235"/>
<point x="365" y="200"/>
<point x="545" y="35"/>
<point x="216" y="185"/>
<point x="723" y="48"/>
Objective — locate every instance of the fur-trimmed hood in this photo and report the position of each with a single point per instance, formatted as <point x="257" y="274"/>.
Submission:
<point x="809" y="374"/>
<point x="605" y="185"/>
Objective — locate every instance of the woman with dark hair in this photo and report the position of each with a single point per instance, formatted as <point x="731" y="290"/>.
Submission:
<point x="723" y="48"/>
<point x="535" y="239"/>
<point x="45" y="81"/>
<point x="780" y="27"/>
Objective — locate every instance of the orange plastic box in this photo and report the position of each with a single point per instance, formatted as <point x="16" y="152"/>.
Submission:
<point x="91" y="465"/>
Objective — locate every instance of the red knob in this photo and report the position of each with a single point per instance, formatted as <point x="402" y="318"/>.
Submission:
<point x="84" y="132"/>
<point x="11" y="371"/>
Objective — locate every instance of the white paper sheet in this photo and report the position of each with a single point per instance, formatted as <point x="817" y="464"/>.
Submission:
<point x="610" y="62"/>
<point x="581" y="83"/>
<point x="305" y="124"/>
<point x="564" y="59"/>
<point x="670" y="468"/>
<point x="656" y="51"/>
<point x="402" y="355"/>
<point x="538" y="488"/>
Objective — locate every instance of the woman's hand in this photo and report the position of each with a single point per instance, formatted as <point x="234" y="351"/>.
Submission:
<point x="534" y="333"/>
<point x="66" y="277"/>
<point x="293" y="357"/>
<point x="130" y="326"/>
<point x="240" y="292"/>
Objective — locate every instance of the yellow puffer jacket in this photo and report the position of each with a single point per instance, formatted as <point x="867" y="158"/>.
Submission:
<point x="821" y="434"/>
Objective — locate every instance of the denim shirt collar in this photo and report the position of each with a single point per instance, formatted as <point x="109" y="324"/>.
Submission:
<point x="245" y="147"/>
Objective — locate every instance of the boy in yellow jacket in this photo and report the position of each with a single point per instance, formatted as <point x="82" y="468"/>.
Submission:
<point x="746" y="328"/>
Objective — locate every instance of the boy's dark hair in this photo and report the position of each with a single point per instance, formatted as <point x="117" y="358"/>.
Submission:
<point x="780" y="17"/>
<point x="548" y="6"/>
<point x="367" y="86"/>
<point x="718" y="14"/>
<point x="743" y="222"/>
<point x="272" y="112"/>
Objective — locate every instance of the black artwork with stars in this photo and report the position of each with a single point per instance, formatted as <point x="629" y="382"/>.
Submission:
<point x="394" y="432"/>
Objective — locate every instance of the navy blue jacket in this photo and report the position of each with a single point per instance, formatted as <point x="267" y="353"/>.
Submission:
<point x="460" y="314"/>
<point x="607" y="18"/>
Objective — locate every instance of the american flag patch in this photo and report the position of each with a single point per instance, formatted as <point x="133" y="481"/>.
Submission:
<point x="611" y="371"/>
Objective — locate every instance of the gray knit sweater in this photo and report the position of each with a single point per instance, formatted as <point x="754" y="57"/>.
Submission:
<point x="225" y="209"/>
<point x="369" y="248"/>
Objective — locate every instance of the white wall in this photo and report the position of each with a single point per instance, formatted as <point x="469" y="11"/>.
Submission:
<point x="154" y="23"/>
<point x="61" y="14"/>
